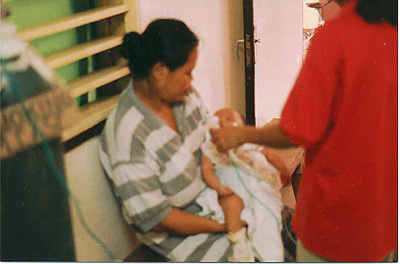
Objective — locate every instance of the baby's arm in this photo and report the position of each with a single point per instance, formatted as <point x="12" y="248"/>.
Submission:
<point x="212" y="181"/>
<point x="279" y="164"/>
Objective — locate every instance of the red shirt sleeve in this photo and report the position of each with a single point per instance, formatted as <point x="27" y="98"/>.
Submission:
<point x="309" y="110"/>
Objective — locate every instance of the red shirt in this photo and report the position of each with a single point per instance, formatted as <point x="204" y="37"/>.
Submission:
<point x="343" y="110"/>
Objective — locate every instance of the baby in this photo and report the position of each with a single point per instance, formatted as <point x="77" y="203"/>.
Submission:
<point x="249" y="159"/>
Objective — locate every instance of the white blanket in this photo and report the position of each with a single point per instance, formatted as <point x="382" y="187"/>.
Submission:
<point x="262" y="210"/>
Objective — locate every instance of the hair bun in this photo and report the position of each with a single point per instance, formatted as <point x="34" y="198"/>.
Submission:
<point x="130" y="47"/>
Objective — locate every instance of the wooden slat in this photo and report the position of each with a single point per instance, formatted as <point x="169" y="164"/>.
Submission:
<point x="94" y="80"/>
<point x="131" y="18"/>
<point x="89" y="116"/>
<point x="73" y="21"/>
<point x="81" y="51"/>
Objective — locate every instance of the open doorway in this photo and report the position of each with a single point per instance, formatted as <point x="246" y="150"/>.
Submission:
<point x="276" y="36"/>
<point x="273" y="34"/>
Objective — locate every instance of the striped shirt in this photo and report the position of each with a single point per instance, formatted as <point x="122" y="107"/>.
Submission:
<point x="153" y="169"/>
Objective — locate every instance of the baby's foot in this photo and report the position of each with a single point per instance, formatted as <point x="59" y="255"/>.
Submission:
<point x="241" y="248"/>
<point x="224" y="191"/>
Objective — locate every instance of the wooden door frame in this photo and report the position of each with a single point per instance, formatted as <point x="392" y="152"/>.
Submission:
<point x="249" y="55"/>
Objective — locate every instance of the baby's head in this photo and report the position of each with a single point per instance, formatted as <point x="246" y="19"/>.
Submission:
<point x="229" y="118"/>
<point x="223" y="118"/>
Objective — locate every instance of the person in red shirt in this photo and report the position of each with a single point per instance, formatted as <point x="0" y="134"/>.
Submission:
<point x="343" y="111"/>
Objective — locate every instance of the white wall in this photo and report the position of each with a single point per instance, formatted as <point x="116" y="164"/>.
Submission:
<point x="100" y="209"/>
<point x="278" y="23"/>
<point x="219" y="75"/>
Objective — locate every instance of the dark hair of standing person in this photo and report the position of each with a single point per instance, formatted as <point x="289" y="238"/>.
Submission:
<point x="374" y="11"/>
<point x="168" y="41"/>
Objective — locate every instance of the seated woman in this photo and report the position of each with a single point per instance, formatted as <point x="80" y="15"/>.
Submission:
<point x="150" y="147"/>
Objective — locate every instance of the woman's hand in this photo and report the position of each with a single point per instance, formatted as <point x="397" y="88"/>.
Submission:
<point x="181" y="222"/>
<point x="226" y="138"/>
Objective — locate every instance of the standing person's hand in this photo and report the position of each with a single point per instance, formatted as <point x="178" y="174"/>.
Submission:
<point x="226" y="138"/>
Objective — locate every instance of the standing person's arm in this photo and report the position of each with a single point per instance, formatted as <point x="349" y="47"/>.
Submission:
<point x="269" y="135"/>
<point x="309" y="111"/>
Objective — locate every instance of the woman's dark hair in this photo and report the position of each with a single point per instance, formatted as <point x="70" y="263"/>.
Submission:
<point x="373" y="11"/>
<point x="168" y="41"/>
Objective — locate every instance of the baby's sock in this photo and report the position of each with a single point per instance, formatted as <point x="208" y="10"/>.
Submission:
<point x="241" y="248"/>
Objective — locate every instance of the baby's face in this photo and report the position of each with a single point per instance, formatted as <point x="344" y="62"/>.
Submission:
<point x="229" y="118"/>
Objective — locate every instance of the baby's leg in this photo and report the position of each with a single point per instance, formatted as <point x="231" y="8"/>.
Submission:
<point x="232" y="207"/>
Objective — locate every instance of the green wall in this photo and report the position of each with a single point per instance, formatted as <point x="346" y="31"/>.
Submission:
<point x="31" y="12"/>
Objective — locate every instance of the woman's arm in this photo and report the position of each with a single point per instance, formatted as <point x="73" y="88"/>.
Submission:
<point x="181" y="222"/>
<point x="269" y="135"/>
